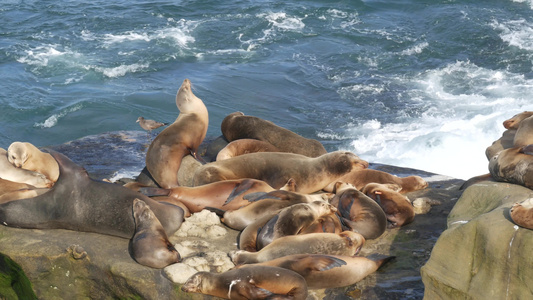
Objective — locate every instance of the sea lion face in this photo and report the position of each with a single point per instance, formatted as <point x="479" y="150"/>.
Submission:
<point x="193" y="284"/>
<point x="323" y="207"/>
<point x="353" y="240"/>
<point x="513" y="122"/>
<point x="185" y="99"/>
<point x="16" y="154"/>
<point x="141" y="212"/>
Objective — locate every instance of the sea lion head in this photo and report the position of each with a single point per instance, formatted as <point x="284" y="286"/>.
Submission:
<point x="17" y="154"/>
<point x="353" y="240"/>
<point x="186" y="101"/>
<point x="323" y="207"/>
<point x="194" y="283"/>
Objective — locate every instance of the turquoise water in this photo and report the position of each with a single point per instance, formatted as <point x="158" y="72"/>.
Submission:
<point x="421" y="84"/>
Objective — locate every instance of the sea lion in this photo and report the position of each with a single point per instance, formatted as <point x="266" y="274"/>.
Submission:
<point x="524" y="133"/>
<point x="27" y="156"/>
<point x="345" y="243"/>
<point x="150" y="246"/>
<point x="276" y="168"/>
<point x="270" y="202"/>
<point x="247" y="239"/>
<point x="513" y="165"/>
<point x="244" y="146"/>
<point x="325" y="224"/>
<point x="291" y="220"/>
<point x="12" y="173"/>
<point x="224" y="195"/>
<point x="358" y="211"/>
<point x="397" y="207"/>
<point x="360" y="178"/>
<point x="522" y="213"/>
<point x="238" y="126"/>
<point x="183" y="137"/>
<point x="327" y="271"/>
<point x="10" y="191"/>
<point x="255" y="282"/>
<point x="77" y="202"/>
<point x="514" y="122"/>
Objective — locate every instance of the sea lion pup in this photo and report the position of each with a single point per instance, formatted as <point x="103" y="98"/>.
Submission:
<point x="77" y="202"/>
<point x="291" y="220"/>
<point x="224" y="195"/>
<point x="14" y="174"/>
<point x="183" y="137"/>
<point x="397" y="207"/>
<point x="524" y="133"/>
<point x="238" y="126"/>
<point x="360" y="178"/>
<point x="514" y="165"/>
<point x="522" y="213"/>
<point x="270" y="202"/>
<point x="358" y="211"/>
<point x="276" y="168"/>
<point x="255" y="282"/>
<point x="149" y="245"/>
<point x="27" y="156"/>
<point x="327" y="271"/>
<point x="514" y="122"/>
<point x="345" y="243"/>
<point x="244" y="146"/>
<point x="506" y="141"/>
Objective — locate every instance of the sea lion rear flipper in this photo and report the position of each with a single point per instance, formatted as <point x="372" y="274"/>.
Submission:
<point x="218" y="211"/>
<point x="380" y="259"/>
<point x="152" y="191"/>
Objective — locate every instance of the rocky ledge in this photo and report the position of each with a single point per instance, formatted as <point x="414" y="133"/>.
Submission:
<point x="60" y="264"/>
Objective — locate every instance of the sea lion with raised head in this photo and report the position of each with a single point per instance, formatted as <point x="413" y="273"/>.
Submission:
<point x="245" y="146"/>
<point x="27" y="156"/>
<point x="276" y="168"/>
<point x="397" y="207"/>
<point x="238" y="126"/>
<point x="345" y="243"/>
<point x="79" y="203"/>
<point x="150" y="246"/>
<point x="358" y="211"/>
<point x="522" y="213"/>
<point x="183" y="137"/>
<point x="255" y="282"/>
<point x="327" y="271"/>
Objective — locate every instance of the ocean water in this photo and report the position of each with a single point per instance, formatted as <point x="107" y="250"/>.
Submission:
<point x="419" y="84"/>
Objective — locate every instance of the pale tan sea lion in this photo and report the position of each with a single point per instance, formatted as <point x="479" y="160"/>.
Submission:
<point x="245" y="146"/>
<point x="256" y="282"/>
<point x="12" y="173"/>
<point x="524" y="133"/>
<point x="275" y="168"/>
<point x="397" y="207"/>
<point x="150" y="245"/>
<point x="10" y="191"/>
<point x="238" y="126"/>
<point x="345" y="243"/>
<point x="327" y="271"/>
<point x="358" y="211"/>
<point x="292" y="220"/>
<point x="360" y="178"/>
<point x="183" y="137"/>
<point x="27" y="156"/>
<point x="513" y="165"/>
<point x="514" y="122"/>
<point x="522" y="213"/>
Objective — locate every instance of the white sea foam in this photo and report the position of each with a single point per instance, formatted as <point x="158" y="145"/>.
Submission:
<point x="284" y="22"/>
<point x="53" y="119"/>
<point x="463" y="109"/>
<point x="518" y="33"/>
<point x="417" y="49"/>
<point x="530" y="2"/>
<point x="120" y="70"/>
<point x="41" y="56"/>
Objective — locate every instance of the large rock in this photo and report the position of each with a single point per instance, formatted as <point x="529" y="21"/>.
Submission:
<point x="482" y="254"/>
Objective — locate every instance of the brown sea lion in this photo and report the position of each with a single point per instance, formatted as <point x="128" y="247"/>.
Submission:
<point x="358" y="211"/>
<point x="183" y="137"/>
<point x="506" y="141"/>
<point x="524" y="133"/>
<point x="28" y="157"/>
<point x="224" y="195"/>
<point x="270" y="202"/>
<point x="514" y="122"/>
<point x="238" y="126"/>
<point x="12" y="173"/>
<point x="327" y="271"/>
<point x="345" y="243"/>
<point x="326" y="224"/>
<point x="397" y="207"/>
<point x="275" y="168"/>
<point x="514" y="165"/>
<point x="522" y="213"/>
<point x="245" y="146"/>
<point x="360" y="178"/>
<point x="77" y="202"/>
<point x="247" y="239"/>
<point x="150" y="246"/>
<point x="291" y="220"/>
<point x="256" y="282"/>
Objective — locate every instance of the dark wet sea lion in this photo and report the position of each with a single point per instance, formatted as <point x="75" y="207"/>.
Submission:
<point x="77" y="202"/>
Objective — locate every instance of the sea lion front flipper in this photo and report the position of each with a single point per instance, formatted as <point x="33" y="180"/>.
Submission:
<point x="153" y="191"/>
<point x="253" y="197"/>
<point x="239" y="189"/>
<point x="307" y="264"/>
<point x="249" y="290"/>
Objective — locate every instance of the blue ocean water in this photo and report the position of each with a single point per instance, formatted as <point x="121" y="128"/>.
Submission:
<point x="420" y="84"/>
